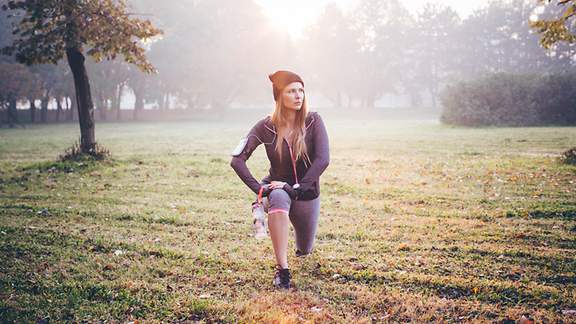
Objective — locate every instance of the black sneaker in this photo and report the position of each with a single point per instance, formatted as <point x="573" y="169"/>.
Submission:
<point x="282" y="279"/>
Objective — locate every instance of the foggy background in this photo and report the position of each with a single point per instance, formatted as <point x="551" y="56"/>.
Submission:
<point x="354" y="56"/>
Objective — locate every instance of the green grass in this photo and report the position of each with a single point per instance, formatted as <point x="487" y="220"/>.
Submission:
<point x="419" y="222"/>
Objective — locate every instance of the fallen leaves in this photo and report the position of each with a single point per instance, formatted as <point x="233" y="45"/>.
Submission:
<point x="403" y="247"/>
<point x="358" y="266"/>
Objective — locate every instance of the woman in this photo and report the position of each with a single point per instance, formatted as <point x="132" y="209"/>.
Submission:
<point x="297" y="146"/>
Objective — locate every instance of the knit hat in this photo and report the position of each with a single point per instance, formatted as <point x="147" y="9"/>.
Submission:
<point x="280" y="79"/>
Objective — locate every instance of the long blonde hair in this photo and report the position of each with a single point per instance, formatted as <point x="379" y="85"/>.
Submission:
<point x="298" y="143"/>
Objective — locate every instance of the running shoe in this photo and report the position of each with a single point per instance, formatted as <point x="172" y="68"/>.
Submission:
<point x="282" y="279"/>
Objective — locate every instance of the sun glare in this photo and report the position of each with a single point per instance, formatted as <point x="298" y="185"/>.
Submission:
<point x="290" y="16"/>
<point x="294" y="16"/>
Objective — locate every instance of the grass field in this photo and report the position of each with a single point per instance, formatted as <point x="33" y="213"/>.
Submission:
<point x="420" y="222"/>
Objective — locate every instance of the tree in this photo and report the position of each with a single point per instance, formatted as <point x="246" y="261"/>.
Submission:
<point x="50" y="77"/>
<point x="228" y="34"/>
<point x="15" y="84"/>
<point x="331" y="50"/>
<point x="235" y="47"/>
<point x="5" y="34"/>
<point x="51" y="29"/>
<point x="109" y="80"/>
<point x="432" y="49"/>
<point x="496" y="38"/>
<point x="63" y="90"/>
<point x="139" y="84"/>
<point x="560" y="28"/>
<point x="382" y="27"/>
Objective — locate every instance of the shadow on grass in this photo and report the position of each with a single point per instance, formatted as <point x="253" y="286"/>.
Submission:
<point x="568" y="214"/>
<point x="451" y="288"/>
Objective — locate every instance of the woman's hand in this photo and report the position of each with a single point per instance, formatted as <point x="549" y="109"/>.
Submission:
<point x="276" y="185"/>
<point x="282" y="185"/>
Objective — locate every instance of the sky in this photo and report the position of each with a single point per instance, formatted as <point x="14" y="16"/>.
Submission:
<point x="295" y="15"/>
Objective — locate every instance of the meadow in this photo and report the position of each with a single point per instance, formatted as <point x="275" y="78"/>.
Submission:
<point x="420" y="222"/>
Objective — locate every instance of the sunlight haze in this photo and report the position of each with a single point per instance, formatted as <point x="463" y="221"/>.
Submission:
<point x="295" y="15"/>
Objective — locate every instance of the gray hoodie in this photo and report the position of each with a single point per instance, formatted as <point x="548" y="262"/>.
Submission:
<point x="264" y="132"/>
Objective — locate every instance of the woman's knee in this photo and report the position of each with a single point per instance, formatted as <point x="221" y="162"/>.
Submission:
<point x="278" y="194"/>
<point x="279" y="201"/>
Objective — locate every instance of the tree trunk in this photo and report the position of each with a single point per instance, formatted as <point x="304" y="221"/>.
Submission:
<point x="166" y="101"/>
<point x="434" y="87"/>
<point x="32" y="110"/>
<point x="12" y="113"/>
<point x="162" y="102"/>
<point x="71" y="108"/>
<point x="58" y="108"/>
<point x="75" y="109"/>
<point x="118" y="101"/>
<point x="44" y="108"/>
<point x="138" y="104"/>
<point x="433" y="91"/>
<point x="83" y="98"/>
<point x="102" y="106"/>
<point x="114" y="100"/>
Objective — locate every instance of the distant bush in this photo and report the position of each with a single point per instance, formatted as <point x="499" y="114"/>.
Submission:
<point x="511" y="100"/>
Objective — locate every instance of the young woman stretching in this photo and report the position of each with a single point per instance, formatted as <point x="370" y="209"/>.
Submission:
<point x="296" y="144"/>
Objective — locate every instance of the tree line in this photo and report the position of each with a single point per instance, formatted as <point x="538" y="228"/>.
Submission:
<point x="214" y="54"/>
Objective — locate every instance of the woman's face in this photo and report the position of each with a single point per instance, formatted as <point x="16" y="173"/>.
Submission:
<point x="293" y="96"/>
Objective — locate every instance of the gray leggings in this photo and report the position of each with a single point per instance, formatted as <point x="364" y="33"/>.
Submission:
<point x="303" y="216"/>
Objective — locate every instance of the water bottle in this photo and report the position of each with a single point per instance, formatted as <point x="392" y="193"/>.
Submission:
<point x="259" y="221"/>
